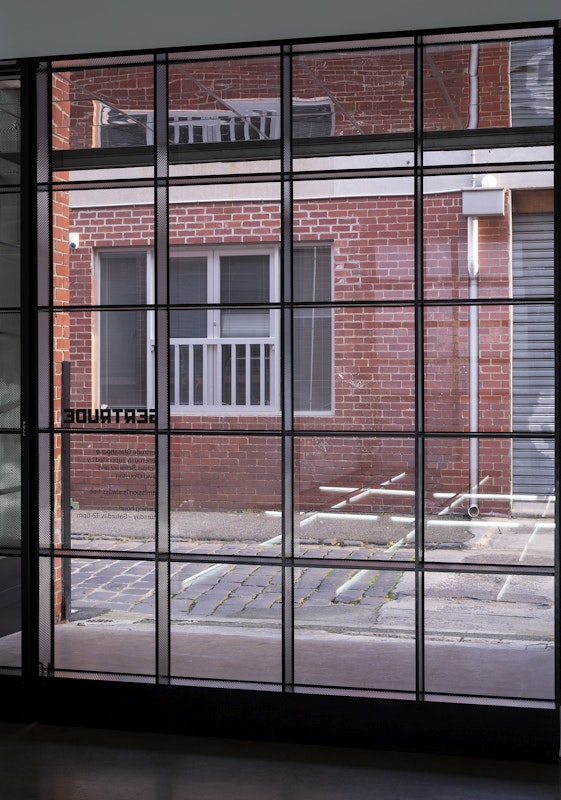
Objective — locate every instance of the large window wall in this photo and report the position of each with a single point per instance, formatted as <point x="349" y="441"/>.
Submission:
<point x="296" y="369"/>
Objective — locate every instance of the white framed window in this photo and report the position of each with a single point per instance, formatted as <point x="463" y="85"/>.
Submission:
<point x="225" y="356"/>
<point x="238" y="121"/>
<point x="224" y="338"/>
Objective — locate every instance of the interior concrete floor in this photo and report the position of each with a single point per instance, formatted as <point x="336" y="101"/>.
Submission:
<point x="39" y="762"/>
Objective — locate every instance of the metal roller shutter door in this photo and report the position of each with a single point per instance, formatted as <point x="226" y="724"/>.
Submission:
<point x="533" y="354"/>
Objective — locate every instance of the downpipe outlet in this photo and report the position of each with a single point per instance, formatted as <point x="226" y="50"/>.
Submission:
<point x="473" y="510"/>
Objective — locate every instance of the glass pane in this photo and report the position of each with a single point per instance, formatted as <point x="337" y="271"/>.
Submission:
<point x="10" y="130"/>
<point x="110" y="106"/>
<point x="122" y="335"/>
<point x="474" y="379"/>
<point x="312" y="279"/>
<point x="313" y="359"/>
<point x="354" y="628"/>
<point x="488" y="502"/>
<point x="188" y="279"/>
<point x="105" y="490"/>
<point x="488" y="85"/>
<point x="226" y="622"/>
<point x="224" y="111"/>
<point x="9" y="250"/>
<point x="122" y="358"/>
<point x="236" y="100"/>
<point x="371" y="370"/>
<point x="226" y="494"/>
<point x="10" y="371"/>
<point x="490" y="635"/>
<point x="244" y="323"/>
<point x="244" y="279"/>
<point x="111" y="628"/>
<point x="103" y="369"/>
<point x="474" y="248"/>
<point x="369" y="225"/>
<point x="353" y="93"/>
<point x="10" y="490"/>
<point x="531" y="82"/>
<point x="213" y="357"/>
<point x="101" y="241"/>
<point x="10" y="615"/>
<point x="354" y="497"/>
<point x="227" y="383"/>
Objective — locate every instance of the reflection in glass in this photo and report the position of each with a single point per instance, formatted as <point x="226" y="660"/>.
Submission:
<point x="111" y="262"/>
<point x="513" y="389"/>
<point x="9" y="250"/>
<point x="489" y="635"/>
<point x="226" y="622"/>
<point x="372" y="224"/>
<point x="482" y="504"/>
<point x="354" y="497"/>
<point x="107" y="375"/>
<point x="474" y="249"/>
<point x="358" y="363"/>
<point x="10" y="130"/>
<point x="107" y="107"/>
<point x="10" y="490"/>
<point x="226" y="494"/>
<point x="10" y="614"/>
<point x="224" y="101"/>
<point x="354" y="93"/>
<point x="466" y="256"/>
<point x="112" y="491"/>
<point x="488" y="85"/>
<point x="10" y="371"/>
<point x="123" y="357"/>
<point x="354" y="628"/>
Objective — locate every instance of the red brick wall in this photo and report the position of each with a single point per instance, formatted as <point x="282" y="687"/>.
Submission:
<point x="372" y="90"/>
<point x="61" y="323"/>
<point x="372" y="241"/>
<point x="372" y="244"/>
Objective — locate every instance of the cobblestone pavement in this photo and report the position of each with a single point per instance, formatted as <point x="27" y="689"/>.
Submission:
<point x="126" y="588"/>
<point x="337" y="599"/>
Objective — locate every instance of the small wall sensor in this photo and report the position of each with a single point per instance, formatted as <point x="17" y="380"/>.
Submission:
<point x="74" y="240"/>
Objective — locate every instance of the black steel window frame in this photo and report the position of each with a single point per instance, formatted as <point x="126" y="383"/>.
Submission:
<point x="44" y="697"/>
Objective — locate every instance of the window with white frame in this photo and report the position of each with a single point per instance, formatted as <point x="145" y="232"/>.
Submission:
<point x="224" y="352"/>
<point x="238" y="121"/>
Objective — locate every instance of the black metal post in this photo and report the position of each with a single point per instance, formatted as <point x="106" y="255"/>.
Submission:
<point x="65" y="501"/>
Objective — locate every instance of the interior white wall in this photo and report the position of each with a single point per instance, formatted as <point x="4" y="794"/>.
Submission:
<point x="56" y="27"/>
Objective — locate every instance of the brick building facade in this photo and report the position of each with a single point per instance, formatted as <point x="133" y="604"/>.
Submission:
<point x="367" y="226"/>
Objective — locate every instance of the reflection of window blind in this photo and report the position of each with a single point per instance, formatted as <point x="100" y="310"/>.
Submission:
<point x="122" y="333"/>
<point x="312" y="329"/>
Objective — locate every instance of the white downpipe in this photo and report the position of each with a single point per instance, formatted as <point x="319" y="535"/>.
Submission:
<point x="473" y="273"/>
<point x="473" y="270"/>
<point x="473" y="119"/>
